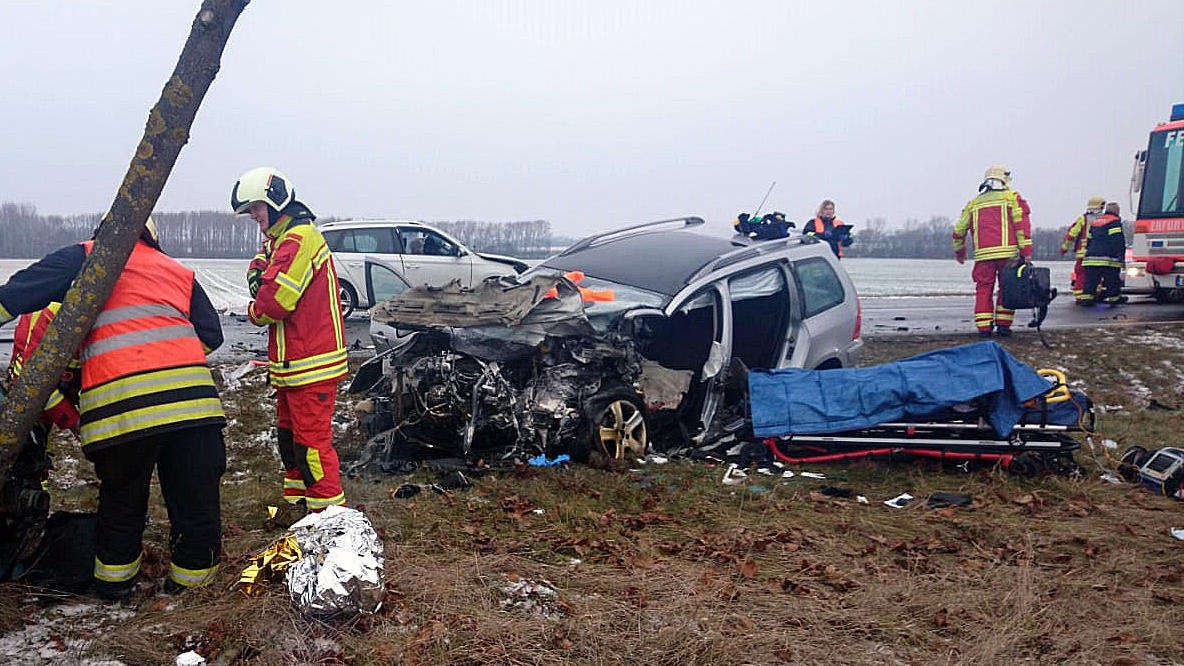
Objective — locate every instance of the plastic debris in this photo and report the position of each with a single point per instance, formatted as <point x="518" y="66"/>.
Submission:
<point x="341" y="571"/>
<point x="1111" y="478"/>
<point x="455" y="480"/>
<point x="1177" y="532"/>
<point x="787" y="474"/>
<point x="233" y="378"/>
<point x="1110" y="444"/>
<point x="734" y="476"/>
<point x="861" y="499"/>
<point x="407" y="490"/>
<point x="654" y="459"/>
<point x="534" y="598"/>
<point x="766" y="471"/>
<point x="541" y="460"/>
<point x="941" y="499"/>
<point x="538" y="512"/>
<point x="190" y="658"/>
<point x="812" y="475"/>
<point x="900" y="501"/>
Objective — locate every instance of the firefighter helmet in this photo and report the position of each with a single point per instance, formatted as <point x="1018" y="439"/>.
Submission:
<point x="1095" y="203"/>
<point x="262" y="184"/>
<point x="998" y="172"/>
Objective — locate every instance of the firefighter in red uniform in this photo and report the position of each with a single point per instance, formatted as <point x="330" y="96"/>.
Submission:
<point x="62" y="407"/>
<point x="1076" y="238"/>
<point x="998" y="220"/>
<point x="147" y="401"/>
<point x="294" y="285"/>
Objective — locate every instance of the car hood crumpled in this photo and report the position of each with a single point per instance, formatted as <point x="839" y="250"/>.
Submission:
<point x="496" y="319"/>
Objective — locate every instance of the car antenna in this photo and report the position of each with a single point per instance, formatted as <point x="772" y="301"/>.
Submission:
<point x="770" y="191"/>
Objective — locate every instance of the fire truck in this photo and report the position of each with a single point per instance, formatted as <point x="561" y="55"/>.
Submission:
<point x="1156" y="256"/>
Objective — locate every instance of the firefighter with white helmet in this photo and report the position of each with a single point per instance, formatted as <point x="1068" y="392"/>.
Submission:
<point x="294" y="286"/>
<point x="998" y="221"/>
<point x="1076" y="238"/>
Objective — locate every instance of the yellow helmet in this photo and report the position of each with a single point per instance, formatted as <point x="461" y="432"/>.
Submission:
<point x="262" y="184"/>
<point x="998" y="172"/>
<point x="1095" y="203"/>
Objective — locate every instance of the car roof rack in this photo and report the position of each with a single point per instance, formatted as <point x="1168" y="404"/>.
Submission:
<point x="746" y="252"/>
<point x="617" y="234"/>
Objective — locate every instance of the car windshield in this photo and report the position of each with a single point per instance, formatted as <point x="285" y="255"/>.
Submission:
<point x="605" y="300"/>
<point x="1163" y="179"/>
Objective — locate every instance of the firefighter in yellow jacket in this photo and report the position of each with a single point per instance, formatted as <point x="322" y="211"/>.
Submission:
<point x="294" y="285"/>
<point x="998" y="220"/>
<point x="1076" y="238"/>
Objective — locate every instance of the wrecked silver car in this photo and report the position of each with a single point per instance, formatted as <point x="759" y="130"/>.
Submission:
<point x="624" y="338"/>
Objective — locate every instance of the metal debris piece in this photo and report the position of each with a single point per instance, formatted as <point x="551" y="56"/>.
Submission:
<point x="341" y="571"/>
<point x="534" y="598"/>
<point x="900" y="501"/>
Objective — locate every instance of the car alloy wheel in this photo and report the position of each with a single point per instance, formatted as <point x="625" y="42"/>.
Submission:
<point x="621" y="431"/>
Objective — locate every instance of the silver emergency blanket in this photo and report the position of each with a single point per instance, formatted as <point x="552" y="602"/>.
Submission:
<point x="341" y="571"/>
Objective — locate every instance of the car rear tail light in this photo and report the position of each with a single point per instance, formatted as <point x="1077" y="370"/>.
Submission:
<point x="858" y="318"/>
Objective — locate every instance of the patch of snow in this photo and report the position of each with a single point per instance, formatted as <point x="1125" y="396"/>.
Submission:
<point x="61" y="635"/>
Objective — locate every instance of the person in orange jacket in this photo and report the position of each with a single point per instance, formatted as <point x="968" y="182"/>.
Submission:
<point x="147" y="403"/>
<point x="1076" y="238"/>
<point x="999" y="223"/>
<point x="829" y="228"/>
<point x="294" y="285"/>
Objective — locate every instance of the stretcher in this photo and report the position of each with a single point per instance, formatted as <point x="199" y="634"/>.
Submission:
<point x="1041" y="425"/>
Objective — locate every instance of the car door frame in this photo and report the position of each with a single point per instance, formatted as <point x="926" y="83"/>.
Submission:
<point x="429" y="269"/>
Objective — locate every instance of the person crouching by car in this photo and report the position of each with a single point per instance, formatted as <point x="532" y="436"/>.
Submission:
<point x="294" y="286"/>
<point x="1103" y="260"/>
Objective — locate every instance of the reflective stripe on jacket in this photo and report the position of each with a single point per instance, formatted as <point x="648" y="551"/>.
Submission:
<point x="298" y="299"/>
<point x="143" y="367"/>
<point x="1107" y="243"/>
<point x="999" y="223"/>
<point x="30" y="328"/>
<point x="1078" y="234"/>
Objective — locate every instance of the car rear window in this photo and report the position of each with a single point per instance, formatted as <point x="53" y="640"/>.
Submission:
<point x="377" y="240"/>
<point x="820" y="286"/>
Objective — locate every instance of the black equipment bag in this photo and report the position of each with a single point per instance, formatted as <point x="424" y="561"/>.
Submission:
<point x="1025" y="286"/>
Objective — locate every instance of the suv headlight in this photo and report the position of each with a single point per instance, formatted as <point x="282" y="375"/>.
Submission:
<point x="1134" y="272"/>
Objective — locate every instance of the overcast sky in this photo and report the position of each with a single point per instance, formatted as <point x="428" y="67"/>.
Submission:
<point x="593" y="114"/>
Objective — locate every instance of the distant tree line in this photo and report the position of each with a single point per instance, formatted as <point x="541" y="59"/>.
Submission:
<point x="213" y="234"/>
<point x="527" y="239"/>
<point x="933" y="239"/>
<point x="26" y="234"/>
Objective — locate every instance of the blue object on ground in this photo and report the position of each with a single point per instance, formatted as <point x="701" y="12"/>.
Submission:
<point x="541" y="460"/>
<point x="790" y="401"/>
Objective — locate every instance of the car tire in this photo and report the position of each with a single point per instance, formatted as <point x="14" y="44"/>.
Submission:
<point x="1165" y="295"/>
<point x="616" y="426"/>
<point x="349" y="298"/>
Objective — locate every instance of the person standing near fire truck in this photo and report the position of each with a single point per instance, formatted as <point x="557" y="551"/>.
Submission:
<point x="999" y="222"/>
<point x="1103" y="261"/>
<point x="294" y="285"/>
<point x="1076" y="238"/>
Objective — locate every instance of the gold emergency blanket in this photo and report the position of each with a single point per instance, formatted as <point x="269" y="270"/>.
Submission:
<point x="269" y="565"/>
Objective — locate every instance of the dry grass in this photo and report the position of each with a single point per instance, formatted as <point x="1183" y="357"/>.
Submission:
<point x="667" y="566"/>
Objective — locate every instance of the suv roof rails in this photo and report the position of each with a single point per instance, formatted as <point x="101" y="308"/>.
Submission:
<point x="746" y="252"/>
<point x="631" y="230"/>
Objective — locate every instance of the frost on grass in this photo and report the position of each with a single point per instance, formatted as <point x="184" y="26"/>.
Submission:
<point x="63" y="635"/>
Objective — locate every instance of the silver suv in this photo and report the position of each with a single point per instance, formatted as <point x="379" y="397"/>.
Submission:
<point x="636" y="334"/>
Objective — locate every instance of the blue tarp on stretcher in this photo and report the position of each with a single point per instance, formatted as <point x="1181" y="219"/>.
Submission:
<point x="790" y="401"/>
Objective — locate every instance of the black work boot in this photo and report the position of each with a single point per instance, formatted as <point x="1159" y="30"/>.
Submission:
<point x="287" y="514"/>
<point x="984" y="334"/>
<point x="1003" y="331"/>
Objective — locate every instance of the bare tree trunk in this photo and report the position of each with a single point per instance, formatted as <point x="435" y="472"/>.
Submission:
<point x="166" y="132"/>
